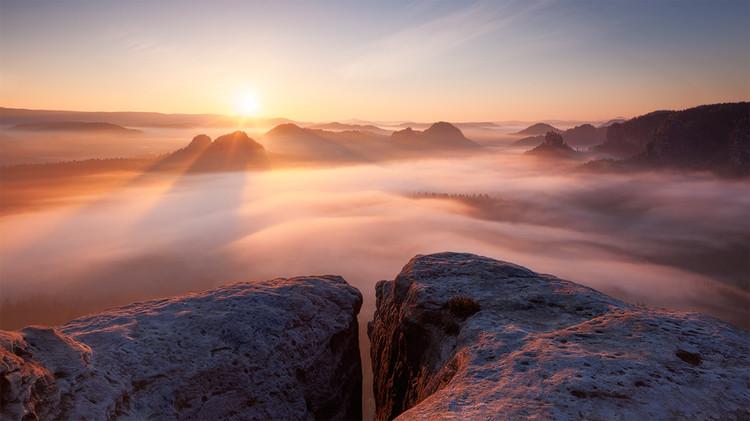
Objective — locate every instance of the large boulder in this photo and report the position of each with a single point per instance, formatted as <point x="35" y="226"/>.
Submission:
<point x="279" y="349"/>
<point x="459" y="336"/>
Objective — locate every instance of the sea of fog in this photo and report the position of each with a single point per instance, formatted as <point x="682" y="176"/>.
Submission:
<point x="670" y="240"/>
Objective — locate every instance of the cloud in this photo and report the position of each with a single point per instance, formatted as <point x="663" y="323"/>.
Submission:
<point x="404" y="51"/>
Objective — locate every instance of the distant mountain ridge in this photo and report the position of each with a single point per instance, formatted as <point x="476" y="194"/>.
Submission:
<point x="582" y="136"/>
<point x="74" y="126"/>
<point x="355" y="145"/>
<point x="631" y="136"/>
<point x="13" y="116"/>
<point x="554" y="147"/>
<point x="336" y="126"/>
<point x="289" y="143"/>
<point x="231" y="152"/>
<point x="612" y="121"/>
<point x="538" y="129"/>
<point x="438" y="135"/>
<point x="713" y="137"/>
<point x="295" y="141"/>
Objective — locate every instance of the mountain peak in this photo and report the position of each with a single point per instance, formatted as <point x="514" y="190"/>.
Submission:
<point x="200" y="142"/>
<point x="287" y="129"/>
<point x="444" y="128"/>
<point x="236" y="136"/>
<point x="538" y="129"/>
<point x="554" y="147"/>
<point x="439" y="135"/>
<point x="230" y="152"/>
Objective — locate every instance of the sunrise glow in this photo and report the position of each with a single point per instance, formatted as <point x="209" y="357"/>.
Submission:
<point x="247" y="104"/>
<point x="375" y="210"/>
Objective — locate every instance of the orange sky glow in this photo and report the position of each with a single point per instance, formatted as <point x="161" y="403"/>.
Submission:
<point x="457" y="61"/>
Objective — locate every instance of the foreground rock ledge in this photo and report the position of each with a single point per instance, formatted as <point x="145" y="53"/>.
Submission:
<point x="459" y="336"/>
<point x="279" y="349"/>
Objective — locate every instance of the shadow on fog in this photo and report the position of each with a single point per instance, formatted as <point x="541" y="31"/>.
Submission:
<point x="671" y="240"/>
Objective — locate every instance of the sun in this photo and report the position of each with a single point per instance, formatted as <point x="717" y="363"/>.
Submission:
<point x="247" y="104"/>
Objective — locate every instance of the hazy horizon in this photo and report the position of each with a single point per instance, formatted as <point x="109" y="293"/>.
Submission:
<point x="248" y="121"/>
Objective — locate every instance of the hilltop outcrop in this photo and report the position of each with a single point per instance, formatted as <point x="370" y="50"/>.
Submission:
<point x="440" y="135"/>
<point x="459" y="336"/>
<point x="554" y="147"/>
<point x="231" y="152"/>
<point x="278" y="349"/>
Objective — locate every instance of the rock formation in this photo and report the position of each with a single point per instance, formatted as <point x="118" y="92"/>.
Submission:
<point x="293" y="141"/>
<point x="712" y="138"/>
<point x="440" y="135"/>
<point x="459" y="336"/>
<point x="583" y="136"/>
<point x="279" y="349"/>
<point x="553" y="147"/>
<point x="538" y="129"/>
<point x="631" y="137"/>
<point x="231" y="152"/>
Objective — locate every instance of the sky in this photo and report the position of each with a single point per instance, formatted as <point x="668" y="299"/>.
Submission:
<point x="384" y="60"/>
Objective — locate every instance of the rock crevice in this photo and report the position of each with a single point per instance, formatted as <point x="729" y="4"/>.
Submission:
<point x="454" y="336"/>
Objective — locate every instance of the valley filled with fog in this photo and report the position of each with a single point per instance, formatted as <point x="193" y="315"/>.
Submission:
<point x="671" y="240"/>
<point x="76" y="244"/>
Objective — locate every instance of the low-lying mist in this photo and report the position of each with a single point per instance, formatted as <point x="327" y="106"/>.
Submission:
<point x="669" y="240"/>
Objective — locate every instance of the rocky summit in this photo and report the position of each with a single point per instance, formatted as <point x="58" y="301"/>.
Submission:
<point x="279" y="349"/>
<point x="459" y="336"/>
<point x="454" y="336"/>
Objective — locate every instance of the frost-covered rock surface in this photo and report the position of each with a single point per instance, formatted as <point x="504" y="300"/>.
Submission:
<point x="459" y="336"/>
<point x="280" y="349"/>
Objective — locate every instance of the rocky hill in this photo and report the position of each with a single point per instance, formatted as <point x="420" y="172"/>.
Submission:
<point x="553" y="147"/>
<point x="440" y="135"/>
<point x="231" y="152"/>
<point x="293" y="141"/>
<point x="279" y="349"/>
<point x="710" y="137"/>
<point x="538" y="129"/>
<point x="631" y="137"/>
<point x="459" y="336"/>
<point x="581" y="137"/>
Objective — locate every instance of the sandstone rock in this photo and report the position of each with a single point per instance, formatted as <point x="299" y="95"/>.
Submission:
<point x="459" y="336"/>
<point x="279" y="349"/>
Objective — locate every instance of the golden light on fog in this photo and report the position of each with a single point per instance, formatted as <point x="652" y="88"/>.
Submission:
<point x="247" y="104"/>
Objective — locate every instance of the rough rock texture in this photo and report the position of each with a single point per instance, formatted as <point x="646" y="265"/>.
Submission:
<point x="459" y="336"/>
<point x="280" y="349"/>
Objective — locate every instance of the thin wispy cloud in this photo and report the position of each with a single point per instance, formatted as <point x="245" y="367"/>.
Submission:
<point x="404" y="51"/>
